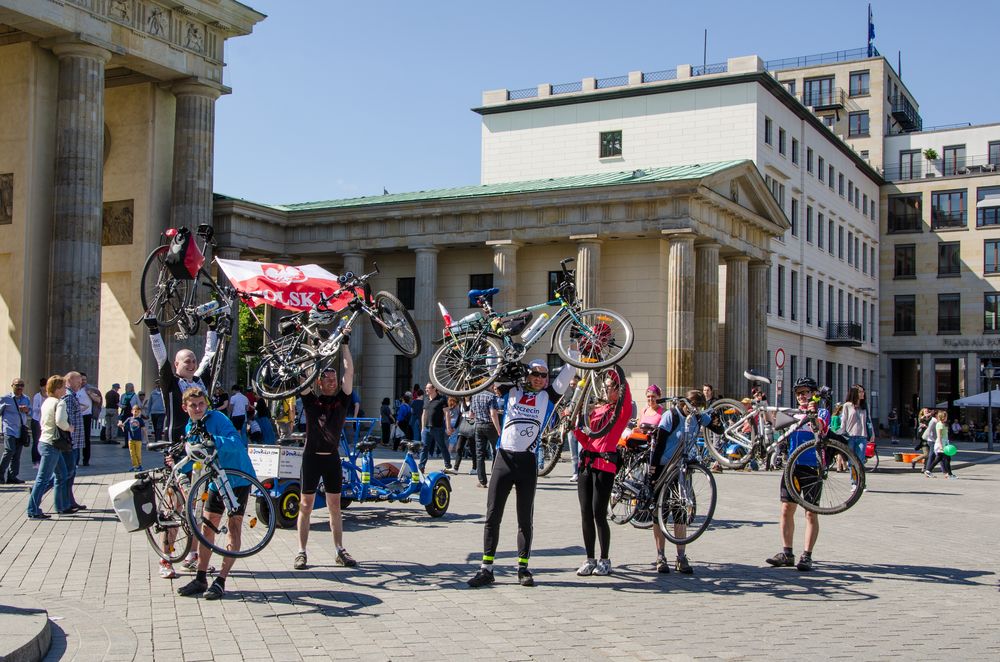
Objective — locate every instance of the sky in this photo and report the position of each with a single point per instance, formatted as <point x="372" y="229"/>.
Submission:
<point x="334" y="99"/>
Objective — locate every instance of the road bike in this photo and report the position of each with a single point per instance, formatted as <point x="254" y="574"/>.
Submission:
<point x="476" y="350"/>
<point x="575" y="409"/>
<point x="290" y="362"/>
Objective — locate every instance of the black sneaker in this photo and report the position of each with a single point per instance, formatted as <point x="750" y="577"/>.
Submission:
<point x="193" y="588"/>
<point x="483" y="578"/>
<point x="682" y="566"/>
<point x="214" y="592"/>
<point x="524" y="577"/>
<point x="782" y="560"/>
<point x="345" y="559"/>
<point x="805" y="563"/>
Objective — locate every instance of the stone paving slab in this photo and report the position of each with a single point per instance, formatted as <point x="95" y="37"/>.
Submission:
<point x="25" y="633"/>
<point x="910" y="572"/>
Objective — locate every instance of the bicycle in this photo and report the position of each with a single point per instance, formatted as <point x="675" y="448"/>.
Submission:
<point x="476" y="350"/>
<point x="170" y="534"/>
<point x="291" y="362"/>
<point x="573" y="411"/>
<point x="751" y="430"/>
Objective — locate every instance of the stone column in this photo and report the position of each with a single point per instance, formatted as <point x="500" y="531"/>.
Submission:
<point x="737" y="357"/>
<point x="194" y="140"/>
<point x="505" y="273"/>
<point x="74" y="294"/>
<point x="680" y="313"/>
<point x="425" y="312"/>
<point x="757" y="324"/>
<point x="706" y="314"/>
<point x="355" y="262"/>
<point x="928" y="392"/>
<point x="231" y="368"/>
<point x="588" y="269"/>
<point x="974" y="382"/>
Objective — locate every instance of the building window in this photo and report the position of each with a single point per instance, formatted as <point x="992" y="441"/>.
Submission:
<point x="857" y="247"/>
<point x="910" y="163"/>
<point x="829" y="236"/>
<point x="790" y="86"/>
<point x="819" y="231"/>
<point x="782" y="137"/>
<point x="871" y="260"/>
<point x="948" y="209"/>
<point x="781" y="291"/>
<point x="611" y="144"/>
<point x="402" y="375"/>
<point x="829" y="303"/>
<point x="988" y="215"/>
<point x="954" y="159"/>
<point x="905" y="315"/>
<point x="405" y="291"/>
<point x="840" y="184"/>
<point x="818" y="91"/>
<point x="857" y="123"/>
<point x="864" y="322"/>
<point x="820" y="169"/>
<point x="949" y="313"/>
<point x="795" y="217"/>
<point x="993" y="151"/>
<point x="840" y="242"/>
<point x="481" y="282"/>
<point x="809" y="223"/>
<point x="871" y="321"/>
<point x="860" y="81"/>
<point x="850" y="190"/>
<point x="809" y="367"/>
<point x="829" y="179"/>
<point x="991" y="312"/>
<point x="555" y="278"/>
<point x="906" y="261"/>
<point x="819" y="303"/>
<point x="850" y="248"/>
<point x="809" y="299"/>
<point x="864" y="258"/>
<point x="768" y="289"/>
<point x="768" y="131"/>
<point x="795" y="150"/>
<point x="794" y="304"/>
<point x="864" y="204"/>
<point x="991" y="256"/>
<point x="863" y="154"/>
<point x="949" y="259"/>
<point x="905" y="213"/>
<point x="828" y="121"/>
<point x="809" y="159"/>
<point x="873" y="209"/>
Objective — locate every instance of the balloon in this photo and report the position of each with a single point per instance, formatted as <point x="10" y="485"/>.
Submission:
<point x="949" y="450"/>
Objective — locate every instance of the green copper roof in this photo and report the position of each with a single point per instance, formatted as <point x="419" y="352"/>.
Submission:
<point x="673" y="173"/>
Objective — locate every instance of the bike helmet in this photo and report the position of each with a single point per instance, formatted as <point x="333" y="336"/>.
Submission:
<point x="804" y="382"/>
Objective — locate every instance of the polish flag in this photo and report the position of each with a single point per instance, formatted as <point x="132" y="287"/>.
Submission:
<point x="283" y="285"/>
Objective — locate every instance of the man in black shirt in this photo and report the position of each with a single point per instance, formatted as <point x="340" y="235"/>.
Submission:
<point x="432" y="422"/>
<point x="325" y="413"/>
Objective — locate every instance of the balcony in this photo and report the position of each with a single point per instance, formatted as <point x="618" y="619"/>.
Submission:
<point x="904" y="113"/>
<point x="905" y="222"/>
<point x="843" y="334"/>
<point x="947" y="220"/>
<point x="966" y="166"/>
<point x="824" y="99"/>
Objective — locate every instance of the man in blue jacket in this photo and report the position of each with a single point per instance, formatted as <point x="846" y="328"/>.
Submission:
<point x="231" y="454"/>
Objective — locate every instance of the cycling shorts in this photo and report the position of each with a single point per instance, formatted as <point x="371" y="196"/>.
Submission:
<point x="216" y="505"/>
<point x="810" y="485"/>
<point x="327" y="467"/>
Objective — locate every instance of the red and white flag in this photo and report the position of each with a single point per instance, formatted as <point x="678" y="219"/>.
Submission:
<point x="283" y="285"/>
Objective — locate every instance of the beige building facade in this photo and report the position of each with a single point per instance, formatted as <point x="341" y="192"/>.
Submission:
<point x="106" y="138"/>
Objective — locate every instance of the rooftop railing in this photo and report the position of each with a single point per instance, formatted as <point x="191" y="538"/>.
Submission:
<point x="921" y="168"/>
<point x="820" y="58"/>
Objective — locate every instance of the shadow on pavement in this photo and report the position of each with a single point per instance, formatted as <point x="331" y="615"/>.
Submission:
<point x="327" y="603"/>
<point x="372" y="515"/>
<point x="59" y="645"/>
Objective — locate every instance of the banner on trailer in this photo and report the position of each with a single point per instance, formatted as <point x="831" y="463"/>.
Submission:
<point x="284" y="286"/>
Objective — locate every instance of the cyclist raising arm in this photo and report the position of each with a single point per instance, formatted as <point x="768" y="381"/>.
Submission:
<point x="525" y="412"/>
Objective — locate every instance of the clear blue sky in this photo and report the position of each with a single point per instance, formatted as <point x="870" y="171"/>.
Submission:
<point x="336" y="100"/>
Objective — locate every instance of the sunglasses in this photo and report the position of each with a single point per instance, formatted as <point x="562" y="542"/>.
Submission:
<point x="538" y="374"/>
<point x="18" y="385"/>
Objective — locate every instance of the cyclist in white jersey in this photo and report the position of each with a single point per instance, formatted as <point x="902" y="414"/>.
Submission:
<point x="525" y="411"/>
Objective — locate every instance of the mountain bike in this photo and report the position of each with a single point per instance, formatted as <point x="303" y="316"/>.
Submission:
<point x="748" y="432"/>
<point x="823" y="475"/>
<point x="290" y="363"/>
<point x="170" y="535"/>
<point x="574" y="410"/>
<point x="476" y="350"/>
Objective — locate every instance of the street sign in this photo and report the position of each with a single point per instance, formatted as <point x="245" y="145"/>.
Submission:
<point x="779" y="385"/>
<point x="779" y="358"/>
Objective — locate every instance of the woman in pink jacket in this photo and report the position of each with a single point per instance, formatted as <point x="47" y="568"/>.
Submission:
<point x="598" y="462"/>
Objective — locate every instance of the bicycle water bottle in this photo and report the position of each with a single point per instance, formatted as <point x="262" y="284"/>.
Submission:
<point x="471" y="317"/>
<point x="206" y="308"/>
<point x="531" y="332"/>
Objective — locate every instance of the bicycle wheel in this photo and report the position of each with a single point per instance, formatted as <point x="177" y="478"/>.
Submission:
<point x="289" y="367"/>
<point x="162" y="295"/>
<point x="732" y="413"/>
<point x="170" y="536"/>
<point x="871" y="463"/>
<point x="597" y="415"/>
<point x="466" y="364"/>
<point x="250" y="532"/>
<point x="625" y="492"/>
<point x="603" y="336"/>
<point x="824" y="477"/>
<point x="400" y="328"/>
<point x="685" y="503"/>
<point x="552" y="445"/>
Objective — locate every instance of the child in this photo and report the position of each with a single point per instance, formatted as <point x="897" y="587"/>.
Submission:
<point x="135" y="427"/>
<point x="256" y="434"/>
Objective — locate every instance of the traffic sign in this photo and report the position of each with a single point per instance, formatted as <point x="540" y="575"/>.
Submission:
<point x="779" y="359"/>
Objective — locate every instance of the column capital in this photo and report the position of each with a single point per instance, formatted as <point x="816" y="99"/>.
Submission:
<point x="682" y="234"/>
<point x="72" y="48"/>
<point x="229" y="252"/>
<point x="707" y="244"/>
<point x="737" y="258"/>
<point x="586" y="238"/>
<point x="757" y="264"/>
<point x="354" y="254"/>
<point x="426" y="249"/>
<point x="202" y="87"/>
<point x="504" y="243"/>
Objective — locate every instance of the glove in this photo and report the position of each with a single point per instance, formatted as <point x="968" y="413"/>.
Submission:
<point x="151" y="323"/>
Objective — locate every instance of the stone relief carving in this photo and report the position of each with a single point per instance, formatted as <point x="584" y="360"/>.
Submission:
<point x="156" y="23"/>
<point x="120" y="9"/>
<point x="116" y="223"/>
<point x="193" y="39"/>
<point x="7" y="198"/>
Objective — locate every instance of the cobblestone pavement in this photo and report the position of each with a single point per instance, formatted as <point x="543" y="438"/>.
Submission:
<point x="911" y="572"/>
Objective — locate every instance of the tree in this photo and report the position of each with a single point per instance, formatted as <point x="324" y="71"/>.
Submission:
<point x="250" y="340"/>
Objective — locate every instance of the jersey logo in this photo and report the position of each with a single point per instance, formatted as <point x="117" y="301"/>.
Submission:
<point x="527" y="399"/>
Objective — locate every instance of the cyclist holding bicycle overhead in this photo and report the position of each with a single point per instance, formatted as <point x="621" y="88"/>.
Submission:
<point x="231" y="454"/>
<point x="525" y="410"/>
<point x="804" y="390"/>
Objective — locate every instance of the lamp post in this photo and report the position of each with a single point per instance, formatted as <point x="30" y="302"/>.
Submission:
<point x="990" y="371"/>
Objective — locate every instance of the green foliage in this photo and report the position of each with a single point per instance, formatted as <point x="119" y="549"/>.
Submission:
<point x="930" y="154"/>
<point x="250" y="340"/>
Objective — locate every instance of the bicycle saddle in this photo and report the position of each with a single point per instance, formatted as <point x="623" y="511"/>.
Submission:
<point x="413" y="446"/>
<point x="476" y="294"/>
<point x="157" y="446"/>
<point x="755" y="378"/>
<point x="366" y="445"/>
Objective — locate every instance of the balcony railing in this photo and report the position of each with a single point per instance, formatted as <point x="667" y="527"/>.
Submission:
<point x="905" y="223"/>
<point x="843" y="334"/>
<point x="825" y="99"/>
<point x="820" y="58"/>
<point x="947" y="219"/>
<point x="904" y="113"/>
<point x="703" y="69"/>
<point x="924" y="169"/>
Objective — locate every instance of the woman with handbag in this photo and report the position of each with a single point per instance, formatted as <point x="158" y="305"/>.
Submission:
<point x="55" y="440"/>
<point x="855" y="422"/>
<point x="466" y="431"/>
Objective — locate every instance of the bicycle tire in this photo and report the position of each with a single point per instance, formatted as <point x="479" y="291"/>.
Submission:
<point x="466" y="364"/>
<point x="161" y="294"/>
<point x="176" y="521"/>
<point x="400" y="327"/>
<point x="597" y="346"/>
<point x="551" y="451"/>
<point x="624" y="496"/>
<point x="871" y="463"/>
<point x="846" y="486"/>
<point x="199" y="493"/>
<point x="596" y="396"/>
<point x="675" y="507"/>
<point x="288" y="368"/>
<point x="718" y="443"/>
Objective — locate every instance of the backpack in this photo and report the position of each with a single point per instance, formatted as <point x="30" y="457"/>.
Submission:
<point x="183" y="259"/>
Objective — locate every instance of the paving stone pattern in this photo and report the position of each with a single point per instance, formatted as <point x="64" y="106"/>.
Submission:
<point x="910" y="572"/>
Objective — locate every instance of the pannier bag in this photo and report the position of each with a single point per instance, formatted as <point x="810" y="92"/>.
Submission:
<point x="515" y="323"/>
<point x="134" y="503"/>
<point x="184" y="259"/>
